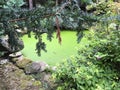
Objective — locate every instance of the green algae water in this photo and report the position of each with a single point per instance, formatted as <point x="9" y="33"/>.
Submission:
<point x="56" y="52"/>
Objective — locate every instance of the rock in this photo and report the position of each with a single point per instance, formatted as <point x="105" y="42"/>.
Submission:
<point x="36" y="67"/>
<point x="14" y="75"/>
<point x="14" y="60"/>
<point x="22" y="63"/>
<point x="54" y="68"/>
<point x="2" y="84"/>
<point x="5" y="45"/>
<point x="3" y="61"/>
<point x="13" y="78"/>
<point x="17" y="54"/>
<point x="46" y="80"/>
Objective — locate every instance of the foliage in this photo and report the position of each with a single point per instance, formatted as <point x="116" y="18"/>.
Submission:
<point x="103" y="8"/>
<point x="95" y="68"/>
<point x="109" y="45"/>
<point x="41" y="19"/>
<point x="82" y="74"/>
<point x="95" y="61"/>
<point x="97" y="65"/>
<point x="13" y="3"/>
<point x="100" y="8"/>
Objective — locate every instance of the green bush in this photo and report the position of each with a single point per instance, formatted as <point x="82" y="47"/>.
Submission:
<point x="110" y="46"/>
<point x="103" y="7"/>
<point x="80" y="74"/>
<point x="97" y="65"/>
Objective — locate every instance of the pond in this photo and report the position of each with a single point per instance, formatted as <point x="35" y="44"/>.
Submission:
<point x="56" y="53"/>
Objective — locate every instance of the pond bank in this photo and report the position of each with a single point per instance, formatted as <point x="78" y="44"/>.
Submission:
<point x="13" y="74"/>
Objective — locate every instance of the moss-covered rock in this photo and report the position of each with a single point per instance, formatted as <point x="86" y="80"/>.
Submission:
<point x="14" y="75"/>
<point x="13" y="78"/>
<point x="36" y="67"/>
<point x="15" y="59"/>
<point x="23" y="62"/>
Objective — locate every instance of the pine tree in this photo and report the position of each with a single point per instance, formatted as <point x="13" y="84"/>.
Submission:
<point x="38" y="18"/>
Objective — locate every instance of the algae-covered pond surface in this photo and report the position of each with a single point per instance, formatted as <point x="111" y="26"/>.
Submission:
<point x="55" y="52"/>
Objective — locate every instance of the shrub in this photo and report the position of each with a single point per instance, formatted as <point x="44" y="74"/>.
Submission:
<point x="97" y="65"/>
<point x="80" y="74"/>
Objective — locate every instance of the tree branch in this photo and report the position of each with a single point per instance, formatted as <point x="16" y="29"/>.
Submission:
<point x="19" y="19"/>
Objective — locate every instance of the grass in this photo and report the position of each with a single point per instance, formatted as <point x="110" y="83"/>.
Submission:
<point x="56" y="53"/>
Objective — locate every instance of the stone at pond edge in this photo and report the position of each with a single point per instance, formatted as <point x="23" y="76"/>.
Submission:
<point x="39" y="70"/>
<point x="14" y="60"/>
<point x="36" y="67"/>
<point x="23" y="62"/>
<point x="17" y="54"/>
<point x="14" y="78"/>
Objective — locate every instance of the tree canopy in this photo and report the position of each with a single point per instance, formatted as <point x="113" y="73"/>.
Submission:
<point x="43" y="17"/>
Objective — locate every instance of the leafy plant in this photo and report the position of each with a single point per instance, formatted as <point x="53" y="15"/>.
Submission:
<point x="82" y="74"/>
<point x="97" y="65"/>
<point x="95" y="68"/>
<point x="14" y="3"/>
